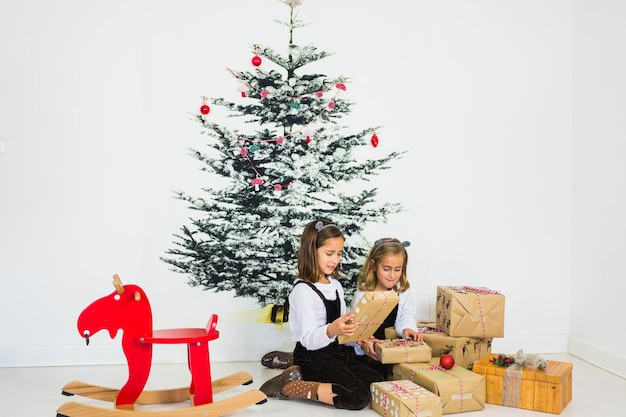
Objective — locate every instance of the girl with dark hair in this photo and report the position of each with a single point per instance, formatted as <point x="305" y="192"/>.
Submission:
<point x="323" y="370"/>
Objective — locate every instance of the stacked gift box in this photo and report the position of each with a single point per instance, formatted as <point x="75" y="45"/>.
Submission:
<point x="467" y="321"/>
<point x="468" y="318"/>
<point x="465" y="350"/>
<point x="546" y="388"/>
<point x="470" y="311"/>
<point x="404" y="399"/>
<point x="460" y="389"/>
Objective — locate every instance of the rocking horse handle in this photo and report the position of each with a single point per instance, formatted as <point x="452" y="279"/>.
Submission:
<point x="117" y="283"/>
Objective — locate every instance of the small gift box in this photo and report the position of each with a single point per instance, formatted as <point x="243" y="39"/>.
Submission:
<point x="370" y="312"/>
<point x="404" y="399"/>
<point x="403" y="351"/>
<point x="470" y="311"/>
<point x="460" y="389"/>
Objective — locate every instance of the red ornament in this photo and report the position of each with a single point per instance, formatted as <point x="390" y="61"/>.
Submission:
<point x="341" y="86"/>
<point x="446" y="361"/>
<point x="308" y="139"/>
<point x="374" y="140"/>
<point x="205" y="109"/>
<point x="256" y="60"/>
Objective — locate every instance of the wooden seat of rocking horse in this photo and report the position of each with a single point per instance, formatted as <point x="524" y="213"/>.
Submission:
<point x="128" y="308"/>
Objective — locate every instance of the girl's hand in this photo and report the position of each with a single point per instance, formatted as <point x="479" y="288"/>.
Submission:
<point x="412" y="334"/>
<point x="344" y="326"/>
<point x="369" y="347"/>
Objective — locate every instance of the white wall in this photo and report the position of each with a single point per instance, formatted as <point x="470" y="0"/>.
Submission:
<point x="95" y="110"/>
<point x="599" y="180"/>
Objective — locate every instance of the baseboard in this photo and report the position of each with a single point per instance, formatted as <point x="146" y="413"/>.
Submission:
<point x="612" y="362"/>
<point x="13" y="357"/>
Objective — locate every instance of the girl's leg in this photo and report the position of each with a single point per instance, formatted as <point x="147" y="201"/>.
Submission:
<point x="345" y="382"/>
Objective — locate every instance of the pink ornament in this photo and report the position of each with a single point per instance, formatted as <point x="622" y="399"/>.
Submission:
<point x="341" y="86"/>
<point x="263" y="93"/>
<point x="278" y="187"/>
<point x="374" y="140"/>
<point x="319" y="94"/>
<point x="280" y="140"/>
<point x="244" y="152"/>
<point x="331" y="105"/>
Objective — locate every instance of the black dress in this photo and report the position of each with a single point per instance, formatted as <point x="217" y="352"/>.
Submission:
<point x="337" y="364"/>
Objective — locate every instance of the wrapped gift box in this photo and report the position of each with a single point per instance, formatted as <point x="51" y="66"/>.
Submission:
<point x="404" y="399"/>
<point x="465" y="350"/>
<point x="370" y="312"/>
<point x="403" y="351"/>
<point x="548" y="390"/>
<point x="460" y="389"/>
<point x="470" y="312"/>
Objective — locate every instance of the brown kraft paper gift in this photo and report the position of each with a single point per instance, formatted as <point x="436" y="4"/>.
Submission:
<point x="402" y="351"/>
<point x="465" y="350"/>
<point x="404" y="399"/>
<point x="370" y="312"/>
<point x="470" y="311"/>
<point x="548" y="390"/>
<point x="460" y="389"/>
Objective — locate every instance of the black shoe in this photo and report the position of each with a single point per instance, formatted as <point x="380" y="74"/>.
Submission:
<point x="277" y="360"/>
<point x="274" y="387"/>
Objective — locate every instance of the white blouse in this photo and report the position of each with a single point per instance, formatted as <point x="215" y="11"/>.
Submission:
<point x="307" y="313"/>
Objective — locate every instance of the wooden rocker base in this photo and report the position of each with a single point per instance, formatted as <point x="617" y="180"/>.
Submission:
<point x="165" y="396"/>
<point x="214" y="409"/>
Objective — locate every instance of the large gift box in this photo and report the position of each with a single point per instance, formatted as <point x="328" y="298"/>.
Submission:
<point x="470" y="311"/>
<point x="404" y="399"/>
<point x="465" y="350"/>
<point x="370" y="312"/>
<point x="548" y="390"/>
<point x="402" y="351"/>
<point x="460" y="389"/>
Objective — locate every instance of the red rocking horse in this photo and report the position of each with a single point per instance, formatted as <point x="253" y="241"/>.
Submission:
<point x="127" y="308"/>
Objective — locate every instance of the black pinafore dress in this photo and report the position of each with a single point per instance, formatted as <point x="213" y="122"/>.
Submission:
<point x="337" y="364"/>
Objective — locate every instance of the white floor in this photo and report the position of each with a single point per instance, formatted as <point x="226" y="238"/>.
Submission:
<point x="37" y="391"/>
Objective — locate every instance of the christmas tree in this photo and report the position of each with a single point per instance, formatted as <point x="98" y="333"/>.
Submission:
<point x="288" y="169"/>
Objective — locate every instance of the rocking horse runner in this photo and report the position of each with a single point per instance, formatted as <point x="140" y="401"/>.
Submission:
<point x="128" y="309"/>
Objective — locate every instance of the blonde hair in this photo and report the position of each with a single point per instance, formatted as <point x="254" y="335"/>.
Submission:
<point x="388" y="246"/>
<point x="315" y="234"/>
